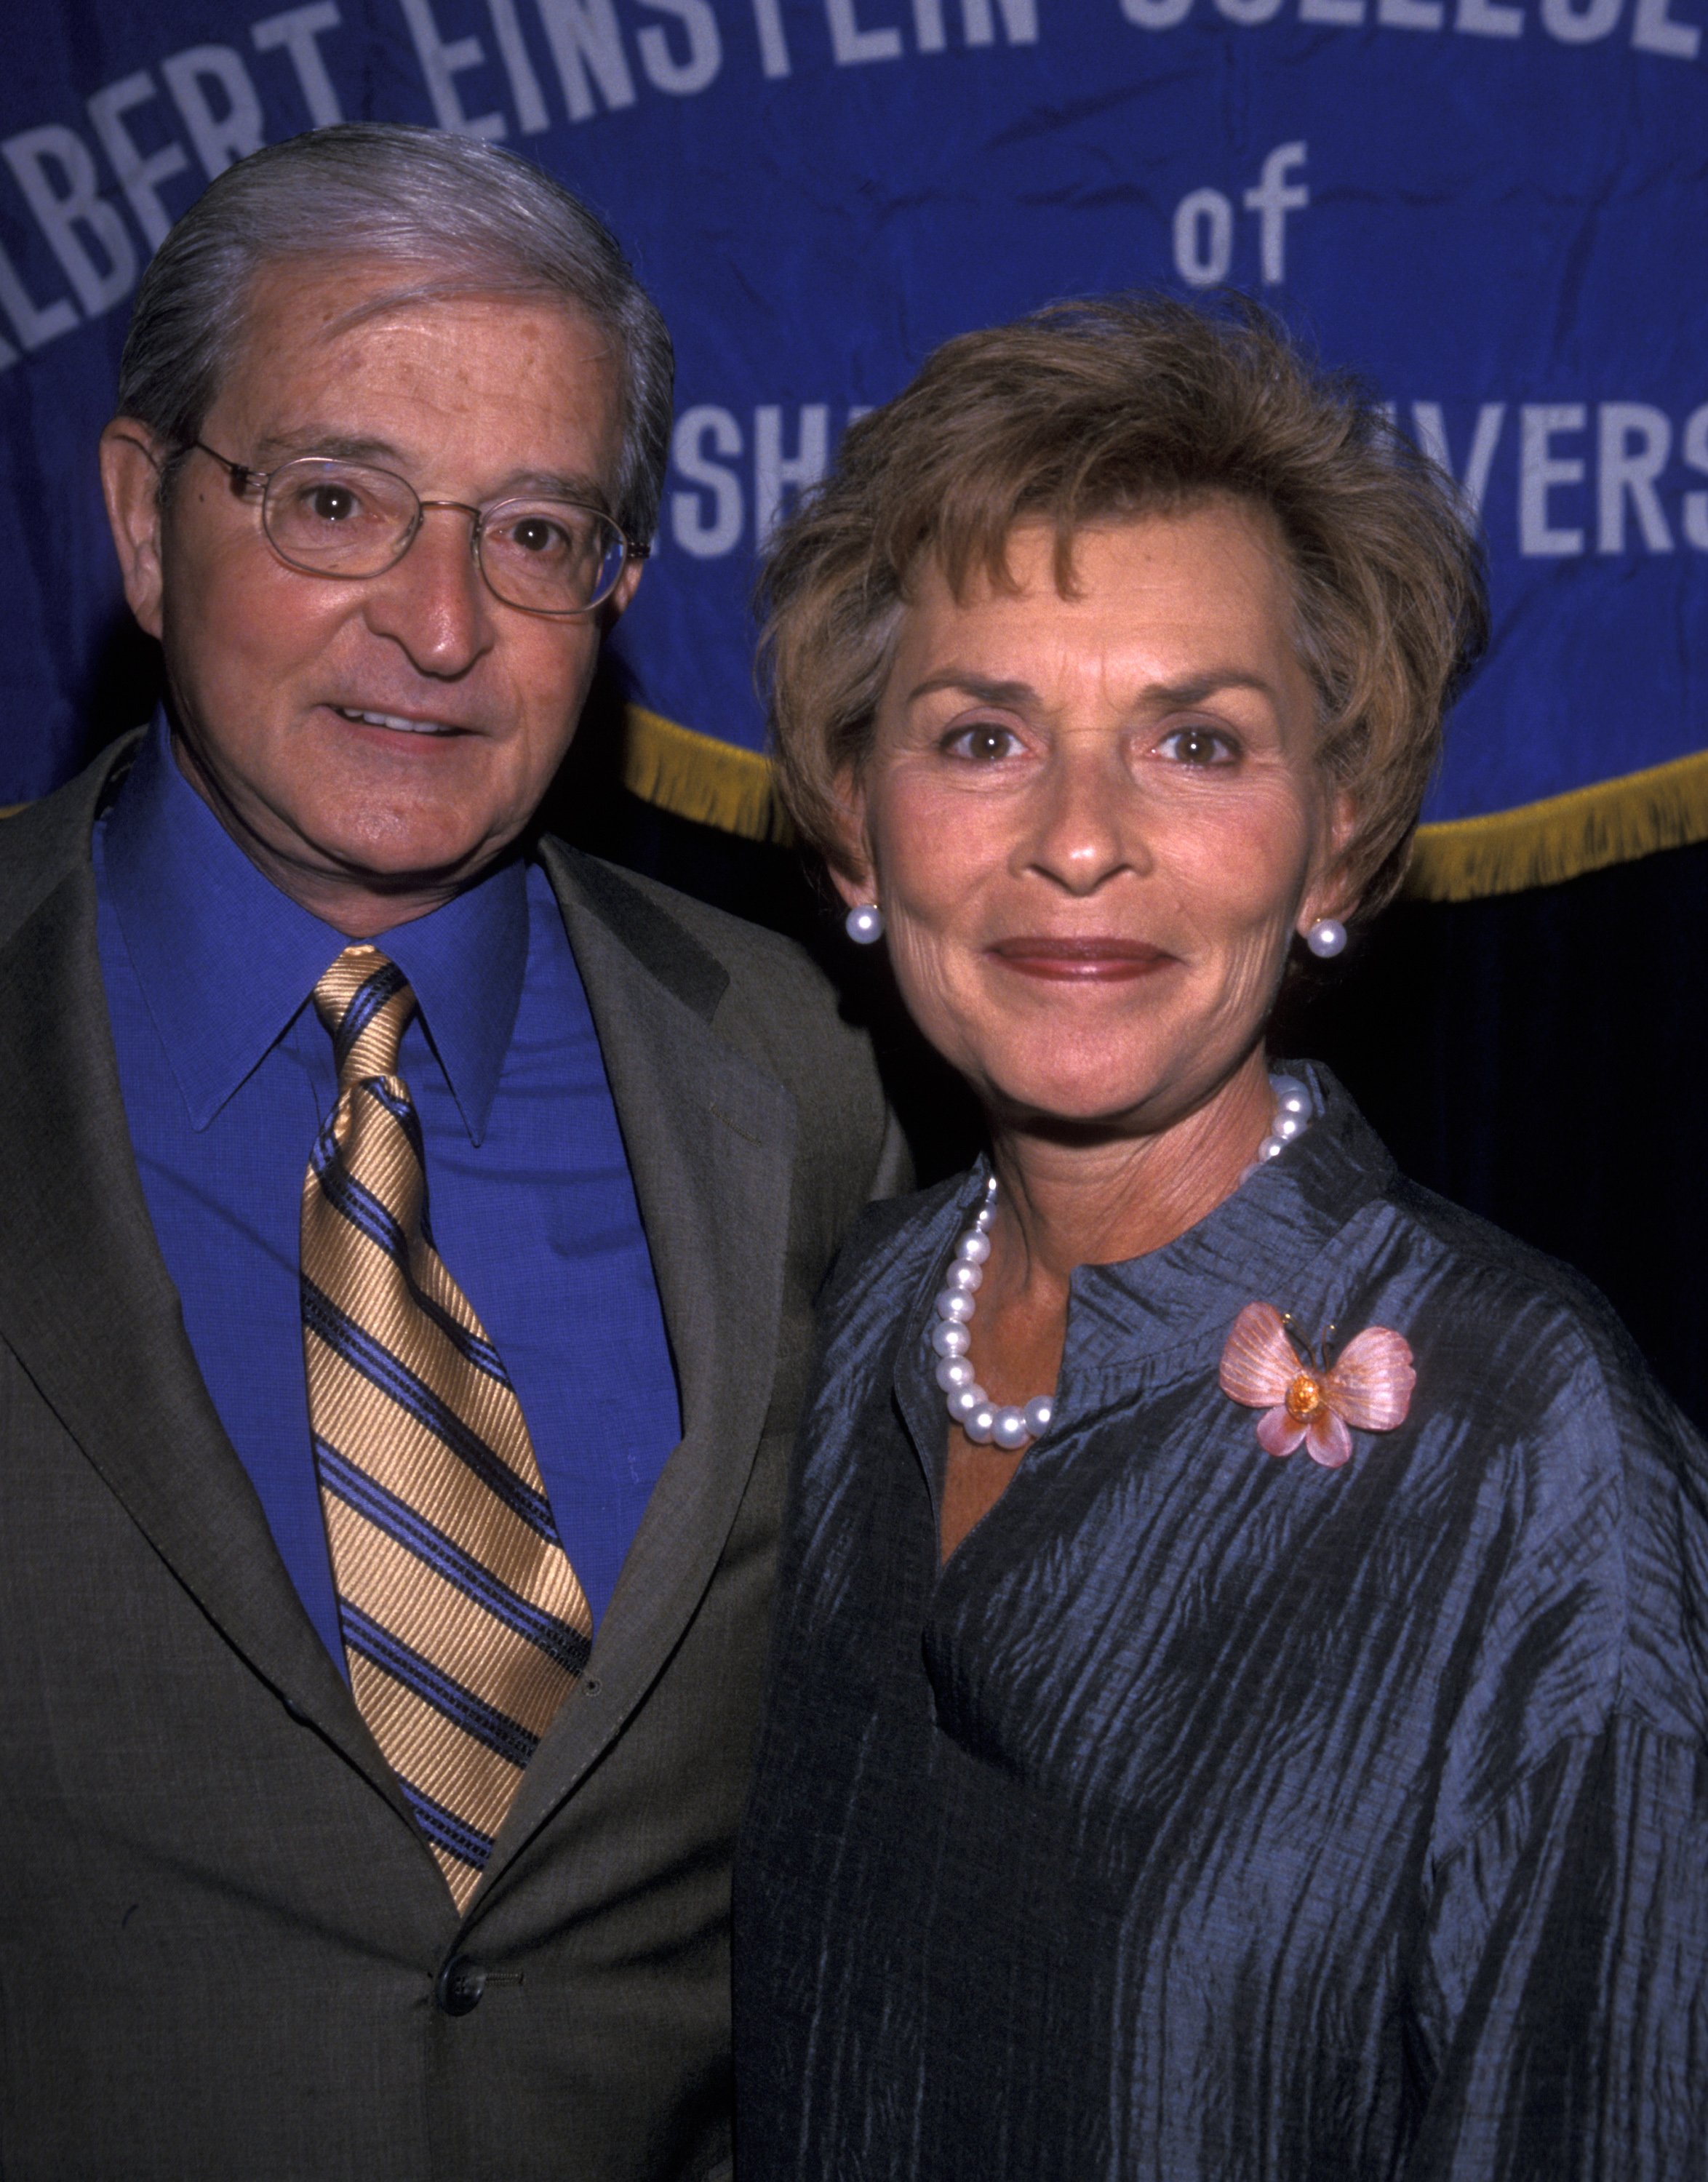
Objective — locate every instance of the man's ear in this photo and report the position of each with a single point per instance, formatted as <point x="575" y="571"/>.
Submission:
<point x="618" y="603"/>
<point x="1328" y="894"/>
<point x="133" y="458"/>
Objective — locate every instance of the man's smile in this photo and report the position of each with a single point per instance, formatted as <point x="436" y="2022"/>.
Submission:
<point x="400" y="721"/>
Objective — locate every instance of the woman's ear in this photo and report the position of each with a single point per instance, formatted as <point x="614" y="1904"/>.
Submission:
<point x="1328" y="894"/>
<point x="852" y="872"/>
<point x="132" y="460"/>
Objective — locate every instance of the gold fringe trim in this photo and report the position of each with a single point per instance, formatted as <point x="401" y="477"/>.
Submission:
<point x="695" y="776"/>
<point x="1539" y="843"/>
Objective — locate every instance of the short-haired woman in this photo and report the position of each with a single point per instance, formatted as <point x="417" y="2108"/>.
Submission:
<point x="1237" y="1708"/>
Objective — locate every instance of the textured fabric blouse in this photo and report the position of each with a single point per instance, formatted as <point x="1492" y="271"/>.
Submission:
<point x="1211" y="1815"/>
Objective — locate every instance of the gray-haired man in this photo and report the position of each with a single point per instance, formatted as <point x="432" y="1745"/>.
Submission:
<point x="407" y="1229"/>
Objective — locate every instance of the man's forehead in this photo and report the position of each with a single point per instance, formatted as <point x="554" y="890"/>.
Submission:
<point x="382" y="361"/>
<point x="318" y="300"/>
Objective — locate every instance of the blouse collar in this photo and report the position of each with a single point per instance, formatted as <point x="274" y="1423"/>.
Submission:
<point x="1272" y="1240"/>
<point x="1278" y="1239"/>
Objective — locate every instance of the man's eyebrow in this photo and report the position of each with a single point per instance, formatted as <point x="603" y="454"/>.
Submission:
<point x="553" y="485"/>
<point x="277" y="448"/>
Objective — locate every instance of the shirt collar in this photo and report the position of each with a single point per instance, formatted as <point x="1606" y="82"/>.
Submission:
<point x="225" y="961"/>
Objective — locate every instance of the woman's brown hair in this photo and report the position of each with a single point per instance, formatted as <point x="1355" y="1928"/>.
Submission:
<point x="1095" y="411"/>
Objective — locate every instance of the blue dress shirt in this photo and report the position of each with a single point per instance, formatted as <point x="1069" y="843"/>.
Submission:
<point x="227" y="1075"/>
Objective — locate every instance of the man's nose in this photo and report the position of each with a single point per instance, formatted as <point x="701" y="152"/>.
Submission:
<point x="434" y="603"/>
<point x="1086" y="825"/>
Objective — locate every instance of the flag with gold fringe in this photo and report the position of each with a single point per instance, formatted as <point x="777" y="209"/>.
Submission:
<point x="1493" y="210"/>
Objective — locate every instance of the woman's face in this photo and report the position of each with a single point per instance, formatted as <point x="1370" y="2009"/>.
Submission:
<point x="1093" y="823"/>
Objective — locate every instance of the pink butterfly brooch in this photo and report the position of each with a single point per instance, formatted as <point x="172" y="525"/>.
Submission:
<point x="1305" y="1399"/>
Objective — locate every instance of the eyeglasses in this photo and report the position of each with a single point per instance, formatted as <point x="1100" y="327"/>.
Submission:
<point x="330" y="518"/>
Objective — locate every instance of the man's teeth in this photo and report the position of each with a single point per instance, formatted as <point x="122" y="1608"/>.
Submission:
<point x="395" y="720"/>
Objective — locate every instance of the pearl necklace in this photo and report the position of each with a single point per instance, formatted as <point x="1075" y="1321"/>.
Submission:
<point x="970" y="1406"/>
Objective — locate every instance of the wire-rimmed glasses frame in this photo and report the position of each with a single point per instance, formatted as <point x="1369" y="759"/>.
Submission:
<point x="324" y="515"/>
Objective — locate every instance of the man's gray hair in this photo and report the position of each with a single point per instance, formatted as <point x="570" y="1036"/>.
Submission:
<point x="469" y="213"/>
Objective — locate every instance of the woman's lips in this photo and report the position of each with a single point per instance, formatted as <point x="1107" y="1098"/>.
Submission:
<point x="1082" y="961"/>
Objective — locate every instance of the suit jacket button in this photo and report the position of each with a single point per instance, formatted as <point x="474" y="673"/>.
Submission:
<point x="460" y="1985"/>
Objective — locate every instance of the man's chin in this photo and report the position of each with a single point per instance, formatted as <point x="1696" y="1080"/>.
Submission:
<point x="433" y="864"/>
<point x="360" y="884"/>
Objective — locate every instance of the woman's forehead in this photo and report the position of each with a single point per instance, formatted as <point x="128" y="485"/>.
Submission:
<point x="1214" y="567"/>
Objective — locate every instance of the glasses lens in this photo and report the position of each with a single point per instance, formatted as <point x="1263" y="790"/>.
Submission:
<point x="339" y="519"/>
<point x="550" y="555"/>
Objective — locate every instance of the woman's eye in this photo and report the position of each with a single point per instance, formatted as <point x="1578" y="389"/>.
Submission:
<point x="1198" y="746"/>
<point x="984" y="743"/>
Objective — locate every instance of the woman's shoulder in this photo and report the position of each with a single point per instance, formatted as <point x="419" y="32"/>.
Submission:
<point x="890" y="1244"/>
<point x="1599" y="1483"/>
<point x="1505" y="1337"/>
<point x="1527" y="1327"/>
<point x="1478" y="1258"/>
<point x="892" y="1248"/>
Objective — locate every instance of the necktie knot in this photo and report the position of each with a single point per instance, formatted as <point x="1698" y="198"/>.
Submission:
<point x="364" y="1000"/>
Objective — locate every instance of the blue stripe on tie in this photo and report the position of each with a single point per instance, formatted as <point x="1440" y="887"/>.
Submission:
<point x="453" y="1834"/>
<point x="370" y="1216"/>
<point x="376" y="1364"/>
<point x="473" y="1714"/>
<point x="402" y="1112"/>
<point x="412" y="1530"/>
<point x="379" y="987"/>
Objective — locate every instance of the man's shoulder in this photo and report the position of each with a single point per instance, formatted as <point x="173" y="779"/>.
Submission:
<point x="640" y="908"/>
<point x="43" y="843"/>
<point x="760" y="993"/>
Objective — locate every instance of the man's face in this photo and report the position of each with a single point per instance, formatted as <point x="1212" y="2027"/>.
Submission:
<point x="373" y="744"/>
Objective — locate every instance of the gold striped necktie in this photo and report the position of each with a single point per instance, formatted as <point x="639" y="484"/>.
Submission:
<point x="465" y="1625"/>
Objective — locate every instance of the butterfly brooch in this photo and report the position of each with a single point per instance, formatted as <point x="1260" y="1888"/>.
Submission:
<point x="1304" y="1399"/>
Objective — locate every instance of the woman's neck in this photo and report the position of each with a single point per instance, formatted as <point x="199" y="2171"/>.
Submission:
<point x="1063" y="1202"/>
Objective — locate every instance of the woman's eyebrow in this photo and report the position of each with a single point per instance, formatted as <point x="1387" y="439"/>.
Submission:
<point x="979" y="687"/>
<point x="1197" y="687"/>
<point x="1191" y="691"/>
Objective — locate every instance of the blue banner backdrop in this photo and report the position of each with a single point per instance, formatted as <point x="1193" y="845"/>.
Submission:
<point x="1494" y="209"/>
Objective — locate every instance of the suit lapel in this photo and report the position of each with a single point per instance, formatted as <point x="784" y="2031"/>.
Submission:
<point x="88" y="1308"/>
<point x="710" y="1139"/>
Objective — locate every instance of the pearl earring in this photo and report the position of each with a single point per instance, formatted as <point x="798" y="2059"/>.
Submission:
<point x="1326" y="937"/>
<point x="864" y="924"/>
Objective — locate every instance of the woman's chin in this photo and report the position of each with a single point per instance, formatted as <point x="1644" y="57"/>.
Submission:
<point x="1093" y="1103"/>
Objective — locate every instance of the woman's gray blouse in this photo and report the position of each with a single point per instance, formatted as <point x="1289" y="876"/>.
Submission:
<point x="1212" y="1815"/>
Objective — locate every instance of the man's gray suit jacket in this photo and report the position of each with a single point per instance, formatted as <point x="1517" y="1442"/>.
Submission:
<point x="221" y="1936"/>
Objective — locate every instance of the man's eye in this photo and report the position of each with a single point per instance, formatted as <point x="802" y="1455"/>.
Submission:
<point x="1198" y="746"/>
<point x="536" y="534"/>
<point x="984" y="743"/>
<point x="331" y="503"/>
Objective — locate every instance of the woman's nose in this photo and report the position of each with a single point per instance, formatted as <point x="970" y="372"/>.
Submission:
<point x="434" y="601"/>
<point x="1084" y="828"/>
